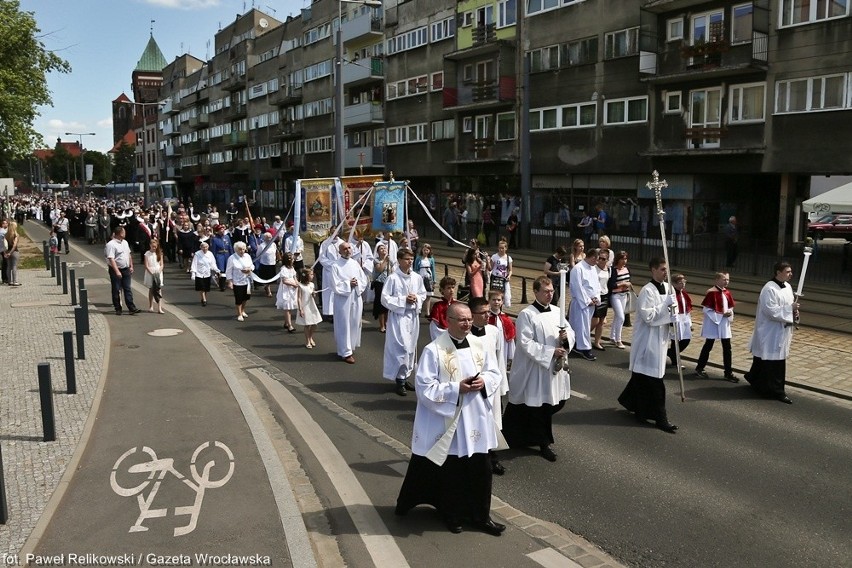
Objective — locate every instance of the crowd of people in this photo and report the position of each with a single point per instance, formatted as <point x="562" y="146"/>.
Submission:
<point x="477" y="355"/>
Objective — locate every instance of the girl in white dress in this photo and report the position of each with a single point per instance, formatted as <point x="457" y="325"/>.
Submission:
<point x="288" y="288"/>
<point x="154" y="276"/>
<point x="309" y="315"/>
<point x="501" y="268"/>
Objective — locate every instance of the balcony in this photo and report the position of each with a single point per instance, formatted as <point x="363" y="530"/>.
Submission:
<point x="361" y="27"/>
<point x="236" y="111"/>
<point x="172" y="172"/>
<point x="363" y="113"/>
<point x="363" y="71"/>
<point x="197" y="147"/>
<point x="202" y="119"/>
<point x="291" y="162"/>
<point x="480" y="94"/>
<point x="168" y="106"/>
<point x="485" y="150"/>
<point x="367" y="156"/>
<point x="286" y="96"/>
<point x="236" y="138"/>
<point x="237" y="168"/>
<point x="169" y="129"/>
<point x="203" y="94"/>
<point x="293" y="129"/>
<point x="234" y="83"/>
<point x="485" y="33"/>
<point x="173" y="150"/>
<point x="707" y="60"/>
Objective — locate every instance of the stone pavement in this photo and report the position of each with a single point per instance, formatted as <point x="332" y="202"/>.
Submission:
<point x="36" y="314"/>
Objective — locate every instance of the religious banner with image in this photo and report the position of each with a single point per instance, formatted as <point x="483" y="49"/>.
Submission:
<point x="389" y="206"/>
<point x="315" y="207"/>
<point x="354" y="190"/>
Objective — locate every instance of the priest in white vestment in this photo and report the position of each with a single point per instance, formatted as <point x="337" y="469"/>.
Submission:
<point x="539" y="383"/>
<point x="348" y="283"/>
<point x="777" y="312"/>
<point x="362" y="253"/>
<point x="403" y="295"/>
<point x="329" y="253"/>
<point x="645" y="393"/>
<point x="585" y="290"/>
<point x="454" y="429"/>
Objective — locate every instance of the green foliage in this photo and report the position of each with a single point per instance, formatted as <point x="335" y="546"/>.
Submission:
<point x="23" y="81"/>
<point x="102" y="170"/>
<point x="59" y="168"/>
<point x="124" y="163"/>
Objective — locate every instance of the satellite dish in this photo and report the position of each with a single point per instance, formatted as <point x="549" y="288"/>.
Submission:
<point x="263" y="23"/>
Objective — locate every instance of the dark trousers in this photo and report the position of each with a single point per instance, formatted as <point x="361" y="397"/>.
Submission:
<point x="683" y="344"/>
<point x="705" y="354"/>
<point x="768" y="377"/>
<point x="5" y="269"/>
<point x="61" y="236"/>
<point x="119" y="284"/>
<point x="731" y="252"/>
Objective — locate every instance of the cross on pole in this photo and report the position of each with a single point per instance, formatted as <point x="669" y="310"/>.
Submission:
<point x="361" y="156"/>
<point x="657" y="185"/>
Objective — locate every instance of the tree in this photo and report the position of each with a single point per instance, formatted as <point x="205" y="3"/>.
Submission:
<point x="124" y="163"/>
<point x="23" y="81"/>
<point x="59" y="165"/>
<point x="102" y="170"/>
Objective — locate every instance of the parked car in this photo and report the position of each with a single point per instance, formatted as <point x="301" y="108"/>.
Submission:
<point x="832" y="227"/>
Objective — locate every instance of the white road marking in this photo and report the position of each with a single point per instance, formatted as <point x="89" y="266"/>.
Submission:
<point x="167" y="332"/>
<point x="550" y="558"/>
<point x="377" y="539"/>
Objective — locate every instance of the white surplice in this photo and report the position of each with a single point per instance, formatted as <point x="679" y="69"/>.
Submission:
<point x="584" y="286"/>
<point x="329" y="253"/>
<point x="442" y="367"/>
<point x="348" y="305"/>
<point x="403" y="325"/>
<point x="651" y="331"/>
<point x="773" y="323"/>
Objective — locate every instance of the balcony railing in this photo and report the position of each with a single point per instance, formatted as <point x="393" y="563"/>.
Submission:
<point x="363" y="113"/>
<point x="293" y="129"/>
<point x="481" y="93"/>
<point x="237" y="111"/>
<point x="484" y="34"/>
<point x="286" y="95"/>
<point x="361" y="26"/>
<point x="235" y="138"/>
<point x="201" y="119"/>
<point x="363" y="70"/>
<point x="367" y="156"/>
<point x="712" y="57"/>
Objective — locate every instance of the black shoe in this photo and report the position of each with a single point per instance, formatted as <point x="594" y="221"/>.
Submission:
<point x="400" y="390"/>
<point x="399" y="511"/>
<point x="785" y="400"/>
<point x="454" y="526"/>
<point x="667" y="427"/>
<point x="701" y="373"/>
<point x="203" y="303"/>
<point x="408" y="386"/>
<point x="497" y="468"/>
<point x="587" y="355"/>
<point x="118" y="312"/>
<point x="547" y="453"/>
<point x="491" y="527"/>
<point x="730" y="377"/>
<point x="134" y="311"/>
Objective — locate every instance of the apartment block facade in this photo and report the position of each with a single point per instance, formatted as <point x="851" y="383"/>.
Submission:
<point x="735" y="103"/>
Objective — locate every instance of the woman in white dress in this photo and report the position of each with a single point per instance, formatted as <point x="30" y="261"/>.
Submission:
<point x="309" y="314"/>
<point x="202" y="268"/>
<point x="288" y="288"/>
<point x="154" y="275"/>
<point x="501" y="270"/>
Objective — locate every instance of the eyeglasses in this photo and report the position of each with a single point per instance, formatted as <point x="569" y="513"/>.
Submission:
<point x="480" y="313"/>
<point x="461" y="320"/>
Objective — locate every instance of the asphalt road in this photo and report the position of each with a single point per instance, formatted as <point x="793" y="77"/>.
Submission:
<point x="745" y="482"/>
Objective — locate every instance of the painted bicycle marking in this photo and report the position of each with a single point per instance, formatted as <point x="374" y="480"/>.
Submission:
<point x="157" y="470"/>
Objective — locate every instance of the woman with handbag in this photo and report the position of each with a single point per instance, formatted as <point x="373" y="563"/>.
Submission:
<point x="501" y="272"/>
<point x="620" y="290"/>
<point x="475" y="266"/>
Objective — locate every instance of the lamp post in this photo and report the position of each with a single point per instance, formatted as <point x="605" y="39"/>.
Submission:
<point x="339" y="165"/>
<point x="145" y="190"/>
<point x="82" y="163"/>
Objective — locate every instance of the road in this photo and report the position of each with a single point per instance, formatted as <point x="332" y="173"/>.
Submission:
<point x="744" y="482"/>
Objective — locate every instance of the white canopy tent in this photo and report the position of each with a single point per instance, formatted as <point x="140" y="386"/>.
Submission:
<point x="837" y="200"/>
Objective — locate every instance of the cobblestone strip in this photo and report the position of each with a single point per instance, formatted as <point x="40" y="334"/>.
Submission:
<point x="36" y="314"/>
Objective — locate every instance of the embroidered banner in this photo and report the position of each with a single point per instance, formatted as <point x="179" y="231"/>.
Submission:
<point x="389" y="206"/>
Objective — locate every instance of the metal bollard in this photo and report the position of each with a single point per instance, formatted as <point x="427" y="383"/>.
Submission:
<point x="45" y="250"/>
<point x="45" y="395"/>
<point x="78" y="325"/>
<point x="72" y="283"/>
<point x="523" y="290"/>
<point x="84" y="305"/>
<point x="81" y="283"/>
<point x="64" y="277"/>
<point x="52" y="265"/>
<point x="58" y="272"/>
<point x="4" y="508"/>
<point x="70" y="371"/>
<point x="446" y="270"/>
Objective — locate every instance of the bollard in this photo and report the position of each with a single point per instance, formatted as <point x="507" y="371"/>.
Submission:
<point x="78" y="325"/>
<point x="72" y="283"/>
<point x="57" y="271"/>
<point x="45" y="250"/>
<point x="4" y="509"/>
<point x="52" y="264"/>
<point x="523" y="290"/>
<point x="84" y="305"/>
<point x="45" y="395"/>
<point x="81" y="283"/>
<point x="64" y="277"/>
<point x="70" y="371"/>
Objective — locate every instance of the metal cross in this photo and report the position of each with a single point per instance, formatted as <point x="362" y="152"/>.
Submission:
<point x="361" y="157"/>
<point x="657" y="186"/>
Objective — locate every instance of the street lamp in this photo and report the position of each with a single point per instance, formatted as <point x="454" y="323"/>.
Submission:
<point x="82" y="163"/>
<point x="146" y="192"/>
<point x="338" y="95"/>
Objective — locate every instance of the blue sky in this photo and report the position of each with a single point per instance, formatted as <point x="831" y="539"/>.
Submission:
<point x="104" y="39"/>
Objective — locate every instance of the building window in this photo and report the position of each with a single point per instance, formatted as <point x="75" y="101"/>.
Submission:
<point x="741" y="28"/>
<point x="507" y="13"/>
<point x="485" y="16"/>
<point x="544" y="59"/>
<point x="444" y="29"/>
<point x="579" y="115"/>
<point x="673" y="103"/>
<point x="795" y="12"/>
<point x="579" y="52"/>
<point x="443" y="129"/>
<point x="537" y="6"/>
<point x="467" y="73"/>
<point x="437" y="81"/>
<point x="626" y="111"/>
<point x="621" y="43"/>
<point x="674" y="29"/>
<point x="811" y="94"/>
<point x="408" y="134"/>
<point x="544" y="119"/>
<point x="748" y="103"/>
<point x="506" y="126"/>
<point x="407" y="40"/>
<point x="467" y="124"/>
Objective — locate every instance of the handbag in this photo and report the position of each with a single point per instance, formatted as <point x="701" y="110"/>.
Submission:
<point x="497" y="283"/>
<point x="463" y="293"/>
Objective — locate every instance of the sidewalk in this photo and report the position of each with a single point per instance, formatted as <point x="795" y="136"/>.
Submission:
<point x="820" y="360"/>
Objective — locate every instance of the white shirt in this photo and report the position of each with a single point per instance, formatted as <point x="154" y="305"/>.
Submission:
<point x="118" y="250"/>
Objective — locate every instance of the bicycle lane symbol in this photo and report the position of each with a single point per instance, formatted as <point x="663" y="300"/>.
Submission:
<point x="157" y="470"/>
